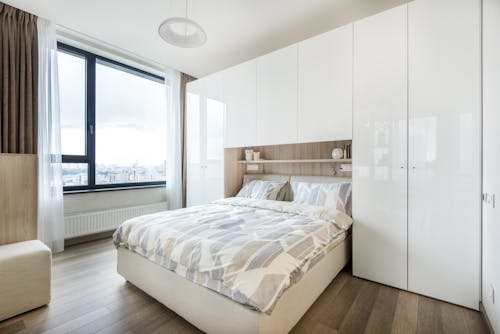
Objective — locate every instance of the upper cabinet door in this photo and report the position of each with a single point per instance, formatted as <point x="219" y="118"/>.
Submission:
<point x="325" y="86"/>
<point x="444" y="149"/>
<point x="240" y="96"/>
<point x="213" y="86"/>
<point x="277" y="97"/>
<point x="380" y="154"/>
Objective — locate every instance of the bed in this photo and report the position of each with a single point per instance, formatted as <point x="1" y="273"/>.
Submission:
<point x="237" y="265"/>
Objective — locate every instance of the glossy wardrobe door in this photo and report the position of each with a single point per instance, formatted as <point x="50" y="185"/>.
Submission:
<point x="205" y="120"/>
<point x="195" y="103"/>
<point x="491" y="161"/>
<point x="277" y="97"/>
<point x="213" y="124"/>
<point x="214" y="150"/>
<point x="380" y="146"/>
<point x="325" y="86"/>
<point x="444" y="150"/>
<point x="240" y="96"/>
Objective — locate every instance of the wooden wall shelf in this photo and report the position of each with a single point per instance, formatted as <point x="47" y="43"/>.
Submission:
<point x="285" y="159"/>
<point x="296" y="161"/>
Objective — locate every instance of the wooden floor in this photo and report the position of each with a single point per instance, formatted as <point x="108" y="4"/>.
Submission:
<point x="88" y="296"/>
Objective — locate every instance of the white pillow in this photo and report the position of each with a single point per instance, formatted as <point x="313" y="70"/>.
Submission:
<point x="336" y="195"/>
<point x="260" y="189"/>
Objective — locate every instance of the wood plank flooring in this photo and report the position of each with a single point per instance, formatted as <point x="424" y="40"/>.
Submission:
<point x="88" y="296"/>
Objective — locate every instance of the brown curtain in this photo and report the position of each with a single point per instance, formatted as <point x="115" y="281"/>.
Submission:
<point x="185" y="78"/>
<point x="18" y="81"/>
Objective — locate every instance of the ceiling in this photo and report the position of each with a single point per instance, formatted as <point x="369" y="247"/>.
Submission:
<point x="237" y="30"/>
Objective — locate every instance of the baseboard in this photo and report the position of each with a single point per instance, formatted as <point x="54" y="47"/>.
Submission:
<point x="485" y="317"/>
<point x="87" y="238"/>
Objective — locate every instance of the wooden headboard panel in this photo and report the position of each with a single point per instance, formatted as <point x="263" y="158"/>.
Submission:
<point x="18" y="197"/>
<point x="266" y="177"/>
<point x="234" y="171"/>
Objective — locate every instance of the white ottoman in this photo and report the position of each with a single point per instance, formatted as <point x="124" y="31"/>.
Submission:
<point x="25" y="270"/>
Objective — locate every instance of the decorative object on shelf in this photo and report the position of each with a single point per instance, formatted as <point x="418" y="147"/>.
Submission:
<point x="256" y="156"/>
<point x="337" y="153"/>
<point x="347" y="151"/>
<point x="248" y="155"/>
<point x="182" y="31"/>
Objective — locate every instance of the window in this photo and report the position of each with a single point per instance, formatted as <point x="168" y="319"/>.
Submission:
<point x="113" y="123"/>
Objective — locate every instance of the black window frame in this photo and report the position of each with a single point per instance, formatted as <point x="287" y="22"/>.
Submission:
<point x="91" y="60"/>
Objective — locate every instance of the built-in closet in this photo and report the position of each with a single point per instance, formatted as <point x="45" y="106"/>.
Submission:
<point x="405" y="86"/>
<point x="417" y="144"/>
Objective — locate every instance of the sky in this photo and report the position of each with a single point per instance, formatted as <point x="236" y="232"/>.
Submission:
<point x="130" y="114"/>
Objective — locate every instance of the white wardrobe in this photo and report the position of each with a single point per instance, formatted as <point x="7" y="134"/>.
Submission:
<point x="417" y="160"/>
<point x="205" y="119"/>
<point x="491" y="162"/>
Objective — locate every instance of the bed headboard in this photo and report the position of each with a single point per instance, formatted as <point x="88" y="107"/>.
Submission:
<point x="319" y="179"/>
<point x="266" y="177"/>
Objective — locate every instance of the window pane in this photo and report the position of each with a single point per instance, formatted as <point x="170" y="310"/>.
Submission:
<point x="72" y="76"/>
<point x="75" y="174"/>
<point x="130" y="127"/>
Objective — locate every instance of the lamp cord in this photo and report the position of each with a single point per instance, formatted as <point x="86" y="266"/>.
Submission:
<point x="185" y="25"/>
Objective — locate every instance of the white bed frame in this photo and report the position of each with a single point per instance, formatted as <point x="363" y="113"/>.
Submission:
<point x="214" y="313"/>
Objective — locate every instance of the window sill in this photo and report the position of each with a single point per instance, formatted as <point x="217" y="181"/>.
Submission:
<point x="83" y="191"/>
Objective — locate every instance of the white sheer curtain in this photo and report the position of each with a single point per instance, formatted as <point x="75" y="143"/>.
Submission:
<point x="50" y="186"/>
<point x="174" y="149"/>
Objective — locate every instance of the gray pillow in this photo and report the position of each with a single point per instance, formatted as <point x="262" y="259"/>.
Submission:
<point x="285" y="193"/>
<point x="260" y="189"/>
<point x="336" y="195"/>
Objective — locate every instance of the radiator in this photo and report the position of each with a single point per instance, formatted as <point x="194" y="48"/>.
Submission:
<point x="100" y="221"/>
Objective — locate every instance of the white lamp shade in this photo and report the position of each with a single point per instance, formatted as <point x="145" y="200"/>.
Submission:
<point x="193" y="35"/>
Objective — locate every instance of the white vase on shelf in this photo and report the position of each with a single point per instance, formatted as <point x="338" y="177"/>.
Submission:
<point x="248" y="155"/>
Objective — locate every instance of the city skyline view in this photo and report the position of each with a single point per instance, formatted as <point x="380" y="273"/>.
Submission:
<point x="77" y="174"/>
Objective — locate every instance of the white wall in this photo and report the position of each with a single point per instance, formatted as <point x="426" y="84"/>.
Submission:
<point x="491" y="160"/>
<point x="106" y="200"/>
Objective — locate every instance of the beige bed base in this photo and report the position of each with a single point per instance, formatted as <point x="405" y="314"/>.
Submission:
<point x="215" y="313"/>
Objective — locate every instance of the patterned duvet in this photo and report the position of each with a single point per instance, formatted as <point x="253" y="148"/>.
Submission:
<point x="246" y="249"/>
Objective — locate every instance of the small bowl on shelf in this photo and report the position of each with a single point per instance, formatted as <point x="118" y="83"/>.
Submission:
<point x="337" y="153"/>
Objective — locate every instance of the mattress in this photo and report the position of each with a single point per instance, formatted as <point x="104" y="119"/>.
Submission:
<point x="248" y="250"/>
